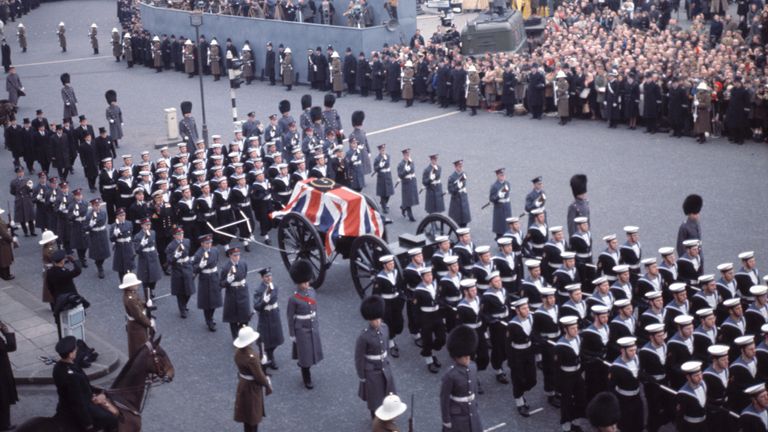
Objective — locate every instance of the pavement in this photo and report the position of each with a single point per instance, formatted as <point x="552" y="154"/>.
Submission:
<point x="634" y="179"/>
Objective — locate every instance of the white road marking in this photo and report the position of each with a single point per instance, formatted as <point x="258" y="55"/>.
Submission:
<point x="493" y="428"/>
<point x="63" y="61"/>
<point x="161" y="297"/>
<point x="400" y="126"/>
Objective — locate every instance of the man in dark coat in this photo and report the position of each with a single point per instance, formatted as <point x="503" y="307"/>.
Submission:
<point x="377" y="76"/>
<point x="393" y="79"/>
<point x="269" y="64"/>
<point x="458" y="209"/>
<point x="237" y="295"/>
<point x="499" y="195"/>
<point x="303" y="325"/>
<point x="363" y="74"/>
<point x="77" y="137"/>
<point x="354" y="164"/>
<point x="350" y="71"/>
<point x="612" y="100"/>
<point x="433" y="186"/>
<point x="321" y="75"/>
<point x="737" y="113"/>
<point x="406" y="172"/>
<point x="6" y="55"/>
<point x="61" y="157"/>
<point x="89" y="160"/>
<point x="508" y="96"/>
<point x="382" y="166"/>
<point x="41" y="146"/>
<point x="677" y="98"/>
<point x="652" y="103"/>
<point x="8" y="395"/>
<point x="536" y="84"/>
<point x="205" y="264"/>
<point x="265" y="303"/>
<point x="459" y="87"/>
<point x="371" y="351"/>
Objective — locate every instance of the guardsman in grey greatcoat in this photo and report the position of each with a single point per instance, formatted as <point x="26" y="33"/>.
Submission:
<point x="382" y="166"/>
<point x="93" y="35"/>
<point x="205" y="263"/>
<point x="114" y="116"/>
<point x="182" y="279"/>
<point x="406" y="172"/>
<point x="62" y="36"/>
<point x="77" y="224"/>
<point x="148" y="268"/>
<point x="23" y="209"/>
<point x="96" y="225"/>
<point x="237" y="295"/>
<point x="187" y="125"/>
<point x="68" y="97"/>
<point x="121" y="236"/>
<point x="535" y="199"/>
<point x="303" y="325"/>
<point x="500" y="197"/>
<point x="433" y="186"/>
<point x="371" y="352"/>
<point x="458" y="389"/>
<point x="354" y="164"/>
<point x="580" y="205"/>
<point x="458" y="208"/>
<point x="39" y="194"/>
<point x="690" y="228"/>
<point x="358" y="117"/>
<point x="117" y="46"/>
<point x="266" y="305"/>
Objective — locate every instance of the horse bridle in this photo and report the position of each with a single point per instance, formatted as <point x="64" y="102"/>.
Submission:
<point x="153" y="379"/>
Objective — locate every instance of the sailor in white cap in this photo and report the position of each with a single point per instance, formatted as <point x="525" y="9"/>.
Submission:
<point x="632" y="251"/>
<point x="546" y="329"/>
<point x="388" y="285"/>
<point x="625" y="383"/>
<point x="691" y="398"/>
<point x="726" y="285"/>
<point x="450" y="291"/>
<point x="444" y="249"/>
<point x="716" y="379"/>
<point x="566" y="275"/>
<point x="553" y="249"/>
<point x="505" y="263"/>
<point x="496" y="313"/>
<point x="706" y="334"/>
<point x="536" y="237"/>
<point x="653" y="314"/>
<point x="594" y="346"/>
<point x="581" y="243"/>
<point x="762" y="347"/>
<point x="757" y="312"/>
<point x="569" y="380"/>
<point x="483" y="267"/>
<point x="575" y="305"/>
<point x="748" y="274"/>
<point x="609" y="258"/>
<point x="743" y="371"/>
<point x="531" y="286"/>
<point x="465" y="249"/>
<point x="622" y="287"/>
<point x="431" y="325"/>
<point x="668" y="265"/>
<point x="252" y="384"/>
<point x="522" y="357"/>
<point x="624" y="323"/>
<point x="653" y="356"/>
<point x="734" y="326"/>
<point x="601" y="293"/>
<point x="689" y="266"/>
<point x="755" y="415"/>
<point x="470" y="315"/>
<point x="651" y="280"/>
<point x="679" y="349"/>
<point x="514" y="232"/>
<point x="412" y="277"/>
<point x="707" y="297"/>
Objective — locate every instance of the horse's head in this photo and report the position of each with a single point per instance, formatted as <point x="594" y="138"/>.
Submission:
<point x="159" y="364"/>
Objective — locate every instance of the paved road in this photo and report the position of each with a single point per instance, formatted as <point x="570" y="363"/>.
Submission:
<point x="634" y="179"/>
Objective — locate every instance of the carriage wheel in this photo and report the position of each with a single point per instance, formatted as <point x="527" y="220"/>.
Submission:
<point x="375" y="205"/>
<point x="299" y="239"/>
<point x="364" y="262"/>
<point x="436" y="224"/>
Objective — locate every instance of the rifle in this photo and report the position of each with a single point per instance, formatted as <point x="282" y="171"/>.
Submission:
<point x="411" y="418"/>
<point x="12" y="226"/>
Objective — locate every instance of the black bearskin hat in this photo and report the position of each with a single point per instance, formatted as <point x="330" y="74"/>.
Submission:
<point x="315" y="114"/>
<point x="603" y="410"/>
<point x="301" y="271"/>
<point x="186" y="107"/>
<point x="578" y="184"/>
<point x="306" y="101"/>
<point x="693" y="204"/>
<point x="64" y="78"/>
<point x="462" y="341"/>
<point x="111" y="96"/>
<point x="329" y="100"/>
<point x="284" y="106"/>
<point x="372" y="308"/>
<point x="357" y="118"/>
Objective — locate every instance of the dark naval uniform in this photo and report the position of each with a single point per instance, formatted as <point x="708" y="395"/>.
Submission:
<point x="522" y="362"/>
<point x="124" y="257"/>
<point x="389" y="287"/>
<point x="406" y="172"/>
<point x="237" y="295"/>
<point x="182" y="278"/>
<point x="433" y="198"/>
<point x="270" y="328"/>
<point x="627" y="388"/>
<point x="372" y="366"/>
<point x="209" y="299"/>
<point x="502" y="209"/>
<point x="458" y="208"/>
<point x="384" y="186"/>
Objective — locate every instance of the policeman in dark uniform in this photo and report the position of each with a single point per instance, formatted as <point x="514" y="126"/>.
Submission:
<point x="406" y="172"/>
<point x="499" y="195"/>
<point x="458" y="208"/>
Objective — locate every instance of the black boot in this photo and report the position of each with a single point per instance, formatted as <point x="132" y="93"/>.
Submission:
<point x="100" y="269"/>
<point x="410" y="215"/>
<point x="306" y="375"/>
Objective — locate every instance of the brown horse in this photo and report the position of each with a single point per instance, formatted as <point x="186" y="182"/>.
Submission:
<point x="149" y="366"/>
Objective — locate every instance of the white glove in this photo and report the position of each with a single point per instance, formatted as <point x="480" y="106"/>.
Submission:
<point x="152" y="322"/>
<point x="432" y="175"/>
<point x="177" y="255"/>
<point x="293" y="338"/>
<point x="62" y="207"/>
<point x="230" y="278"/>
<point x="116" y="231"/>
<point x="203" y="263"/>
<point x="447" y="425"/>
<point x="267" y="298"/>
<point x="92" y="223"/>
<point x="501" y="194"/>
<point x="144" y="241"/>
<point x="67" y="104"/>
<point x="111" y="120"/>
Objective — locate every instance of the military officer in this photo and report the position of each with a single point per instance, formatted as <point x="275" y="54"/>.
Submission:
<point x="535" y="199"/>
<point x="182" y="279"/>
<point x="138" y="325"/>
<point x="383" y="170"/>
<point x="62" y="36"/>
<point x="265" y="303"/>
<point x="95" y="225"/>
<point x="205" y="264"/>
<point x="121" y="236"/>
<point x="431" y="180"/>
<point x="580" y="205"/>
<point x="248" y="64"/>
<point x="161" y="215"/>
<point x="689" y="228"/>
<point x="371" y="349"/>
<point x="303" y="326"/>
<point x="93" y="35"/>
<point x="430" y="320"/>
<point x="108" y="177"/>
<point x="458" y="208"/>
<point x="237" y="295"/>
<point x="148" y="268"/>
<point x="459" y="385"/>
<point x="252" y="383"/>
<point x="499" y="195"/>
<point x="406" y="172"/>
<point x="570" y="381"/>
<point x="354" y="164"/>
<point x="389" y="286"/>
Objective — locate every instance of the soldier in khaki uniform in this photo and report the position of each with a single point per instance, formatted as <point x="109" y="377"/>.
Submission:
<point x="214" y="59"/>
<point x="252" y="382"/>
<point x="702" y="114"/>
<point x="62" y="37"/>
<point x="189" y="58"/>
<point x="406" y="83"/>
<point x="21" y="32"/>
<point x="92" y="34"/>
<point x="561" y="97"/>
<point x="157" y="54"/>
<point x="473" y="89"/>
<point x="337" y="78"/>
<point x="117" y="46"/>
<point x="138" y="324"/>
<point x="286" y="69"/>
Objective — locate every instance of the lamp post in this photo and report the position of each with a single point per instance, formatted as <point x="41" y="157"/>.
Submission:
<point x="196" y="20"/>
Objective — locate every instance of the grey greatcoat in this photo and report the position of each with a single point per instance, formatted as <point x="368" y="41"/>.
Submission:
<point x="70" y="101"/>
<point x="355" y="172"/>
<point x="98" y="238"/>
<point x="182" y="278"/>
<point x="460" y="382"/>
<point x="148" y="268"/>
<point x="208" y="289"/>
<point x="502" y="209"/>
<point x="406" y="172"/>
<point x="61" y="208"/>
<point x="383" y="169"/>
<point x="433" y="189"/>
<point x="23" y="208"/>
<point x="237" y="295"/>
<point x="362" y="144"/>
<point x="458" y="209"/>
<point x="115" y="118"/>
<point x="270" y="325"/>
<point x="39" y="193"/>
<point x="78" y="236"/>
<point x="303" y="325"/>
<point x="120" y="234"/>
<point x="374" y="372"/>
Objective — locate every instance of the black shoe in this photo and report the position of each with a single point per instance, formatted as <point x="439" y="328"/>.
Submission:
<point x="433" y="368"/>
<point x="268" y="242"/>
<point x="183" y="313"/>
<point x="167" y="271"/>
<point x="402" y="210"/>
<point x="84" y="263"/>
<point x="480" y="388"/>
<point x="395" y="351"/>
<point x="273" y="365"/>
<point x="502" y="378"/>
<point x="554" y="401"/>
<point x="524" y="411"/>
<point x="212" y="326"/>
<point x="436" y="361"/>
<point x="101" y="273"/>
<point x="247" y="248"/>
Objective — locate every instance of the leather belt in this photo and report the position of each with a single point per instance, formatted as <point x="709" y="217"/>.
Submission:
<point x="374" y="357"/>
<point x="429" y="308"/>
<point x="305" y="317"/>
<point x="521" y="346"/>
<point x="108" y="186"/>
<point x="273" y="306"/>
<point x="209" y="270"/>
<point x="570" y="368"/>
<point x="473" y="325"/>
<point x="628" y="393"/>
<point x="409" y="176"/>
<point x="246" y="376"/>
<point x="285" y="193"/>
<point x="237" y="283"/>
<point x="385" y="170"/>
<point x="463" y="399"/>
<point x="182" y="260"/>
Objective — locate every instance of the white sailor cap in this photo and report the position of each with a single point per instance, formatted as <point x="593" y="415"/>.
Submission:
<point x="282" y="165"/>
<point x="451" y="259"/>
<point x="233" y="154"/>
<point x="414" y="251"/>
<point x="145" y="153"/>
<point x="609" y="237"/>
<point x="691" y="367"/>
<point x="555" y="229"/>
<point x="581" y="220"/>
<point x="468" y="283"/>
<point x="386" y="258"/>
<point x="124" y="168"/>
<point x="683" y="320"/>
<point x="600" y="280"/>
<point x="163" y="148"/>
<point x="493" y="274"/>
<point x="547" y="291"/>
<point x="569" y="320"/>
<point x="746" y="255"/>
<point x="745" y="340"/>
<point x="573" y="287"/>
<point x="626" y="342"/>
<point x="691" y="243"/>
<point x="126" y="156"/>
<point x="765" y="279"/>
<point x="521" y="302"/>
<point x="441" y="238"/>
<point x="631" y="229"/>
<point x="718" y="350"/>
<point x="532" y="263"/>
<point x="755" y="390"/>
<point x="621" y="268"/>
<point x="677" y="287"/>
<point x="731" y="302"/>
<point x="512" y="219"/>
<point x="182" y="144"/>
<point x="599" y="309"/>
<point x="654" y="328"/>
<point x="650" y="295"/>
<point x="537" y="211"/>
<point x="666" y="250"/>
<point x="704" y="312"/>
<point x="425" y="270"/>
<point x="757" y="290"/>
<point x="568" y="255"/>
<point x="504" y="241"/>
<point x="144" y="173"/>
<point x="462" y="231"/>
<point x="648" y="261"/>
<point x="622" y="303"/>
<point x="482" y="249"/>
<point x="706" y="278"/>
<point x="215" y="137"/>
<point x="764" y="328"/>
<point x="106" y="159"/>
<point x="725" y="267"/>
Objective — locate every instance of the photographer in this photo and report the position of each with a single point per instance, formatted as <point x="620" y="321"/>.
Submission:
<point x="60" y="280"/>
